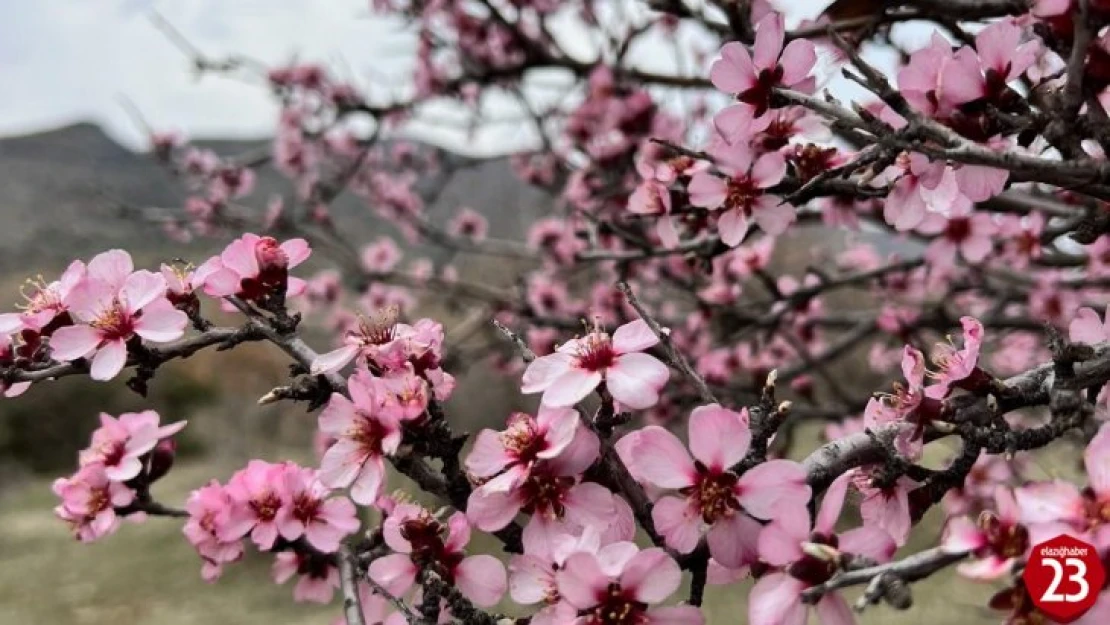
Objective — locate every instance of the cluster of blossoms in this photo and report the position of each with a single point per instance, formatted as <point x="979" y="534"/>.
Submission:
<point x="283" y="508"/>
<point x="959" y="177"/>
<point x="125" y="456"/>
<point x="104" y="311"/>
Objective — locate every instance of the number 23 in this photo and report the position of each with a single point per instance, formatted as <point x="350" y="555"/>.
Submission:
<point x="1079" y="577"/>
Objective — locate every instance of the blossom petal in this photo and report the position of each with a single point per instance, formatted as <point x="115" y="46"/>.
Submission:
<point x="481" y="579"/>
<point x="719" y="437"/>
<point x="660" y="458"/>
<point x="651" y="575"/>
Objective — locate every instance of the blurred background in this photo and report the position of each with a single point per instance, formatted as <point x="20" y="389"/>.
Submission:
<point x="86" y="81"/>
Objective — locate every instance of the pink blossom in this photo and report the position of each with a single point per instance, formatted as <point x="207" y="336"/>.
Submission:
<point x="920" y="187"/>
<point x="387" y="344"/>
<point x="753" y="77"/>
<point x="803" y="557"/>
<point x="996" y="540"/>
<point x="632" y="377"/>
<point x="309" y="512"/>
<point x="886" y="508"/>
<point x="743" y="195"/>
<point x="960" y="367"/>
<point x="381" y="256"/>
<point x="714" y="499"/>
<point x="1088" y="328"/>
<point x="532" y="576"/>
<point x="1049" y="507"/>
<point x="257" y="496"/>
<point x="45" y="303"/>
<point x="621" y="579"/>
<point x="120" y="445"/>
<point x="470" y="224"/>
<point x="210" y="509"/>
<point x="910" y="405"/>
<point x="255" y="268"/>
<point x="89" y="502"/>
<point x="364" y="432"/>
<point x="526" y="474"/>
<point x="316" y="581"/>
<point x="963" y="230"/>
<point x="418" y="537"/>
<point x="112" y="305"/>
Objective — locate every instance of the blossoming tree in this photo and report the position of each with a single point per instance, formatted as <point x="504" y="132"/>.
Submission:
<point x="662" y="447"/>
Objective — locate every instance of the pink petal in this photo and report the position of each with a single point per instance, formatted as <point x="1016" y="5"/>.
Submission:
<point x="961" y="80"/>
<point x="367" y="487"/>
<point x="719" y="437"/>
<point x="678" y="522"/>
<point x="733" y="72"/>
<point x="734" y="541"/>
<point x="707" y="190"/>
<point x="769" y="36"/>
<point x="1087" y="327"/>
<point x="481" y="579"/>
<point x="832" y="609"/>
<point x="634" y="336"/>
<point x="651" y="575"/>
<point x="780" y="544"/>
<point x="732" y="226"/>
<point x="338" y="415"/>
<point x="870" y="542"/>
<point x="490" y="511"/>
<point x="1045" y="502"/>
<point x="341" y="463"/>
<point x="832" y="504"/>
<point x="395" y="572"/>
<point x="635" y="379"/>
<point x="161" y="325"/>
<point x="571" y="388"/>
<point x="774" y="216"/>
<point x="734" y="123"/>
<point x="798" y="60"/>
<point x="334" y="360"/>
<point x="660" y="458"/>
<point x="581" y="581"/>
<point x="297" y="250"/>
<point x="111" y="267"/>
<point x="774" y="488"/>
<point x="488" y="457"/>
<point x="543" y="372"/>
<point x="986" y="569"/>
<point x="776" y="600"/>
<point x="530" y="579"/>
<point x="142" y="288"/>
<point x="108" y="361"/>
<point x="768" y="170"/>
<point x="73" y="342"/>
<point x="590" y="505"/>
<point x="562" y="425"/>
<point x="582" y="451"/>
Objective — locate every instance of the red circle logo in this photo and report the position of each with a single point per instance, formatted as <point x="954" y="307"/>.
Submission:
<point x="1064" y="577"/>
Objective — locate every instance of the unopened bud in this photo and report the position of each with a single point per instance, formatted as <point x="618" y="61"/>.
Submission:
<point x="772" y="377"/>
<point x="161" y="459"/>
<point x="825" y="553"/>
<point x="270" y="255"/>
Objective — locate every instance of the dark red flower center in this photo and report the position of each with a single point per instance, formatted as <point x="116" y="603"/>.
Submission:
<point x="814" y="570"/>
<point x="713" y="493"/>
<point x="617" y="607"/>
<point x="426" y="535"/>
<point x="595" y="352"/>
<point x="1005" y="540"/>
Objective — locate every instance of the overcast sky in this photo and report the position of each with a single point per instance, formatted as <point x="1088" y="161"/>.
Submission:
<point x="63" y="61"/>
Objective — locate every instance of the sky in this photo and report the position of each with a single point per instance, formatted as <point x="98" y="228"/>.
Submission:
<point x="64" y="61"/>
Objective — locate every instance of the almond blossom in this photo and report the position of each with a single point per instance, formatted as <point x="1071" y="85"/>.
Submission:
<point x="255" y="268"/>
<point x="89" y="502"/>
<point x="309" y="511"/>
<point x="753" y="77"/>
<point x="45" y="305"/>
<point x="110" y="306"/>
<point x="421" y="540"/>
<point x="996" y="540"/>
<point x="210" y="509"/>
<point x="742" y="196"/>
<point x="714" y="500"/>
<point x="120" y="445"/>
<point x="803" y="557"/>
<point x="620" y="584"/>
<point x="364" y="432"/>
<point x="578" y="366"/>
<point x="532" y="575"/>
<point x="317" y="578"/>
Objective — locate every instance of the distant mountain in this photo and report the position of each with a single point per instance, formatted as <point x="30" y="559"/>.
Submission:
<point x="59" y="194"/>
